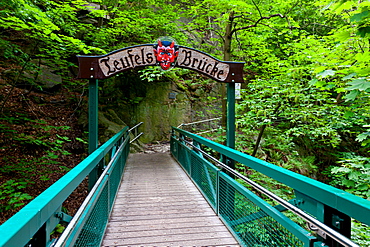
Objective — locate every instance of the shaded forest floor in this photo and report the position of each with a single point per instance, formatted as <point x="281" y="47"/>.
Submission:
<point x="40" y="141"/>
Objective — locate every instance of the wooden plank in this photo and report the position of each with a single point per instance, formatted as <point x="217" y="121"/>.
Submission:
<point x="167" y="222"/>
<point x="145" y="225"/>
<point x="166" y="211"/>
<point x="161" y="211"/>
<point x="148" y="232"/>
<point x="159" y="216"/>
<point x="213" y="238"/>
<point x="157" y="204"/>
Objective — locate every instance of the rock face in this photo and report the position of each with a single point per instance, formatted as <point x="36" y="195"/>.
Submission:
<point x="47" y="79"/>
<point x="43" y="75"/>
<point x="108" y="127"/>
<point x="159" y="105"/>
<point x="159" y="112"/>
<point x="38" y="74"/>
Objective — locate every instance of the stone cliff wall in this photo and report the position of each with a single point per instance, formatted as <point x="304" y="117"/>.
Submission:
<point x="127" y="100"/>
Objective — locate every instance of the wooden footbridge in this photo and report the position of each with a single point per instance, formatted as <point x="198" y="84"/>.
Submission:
<point x="189" y="196"/>
<point x="157" y="204"/>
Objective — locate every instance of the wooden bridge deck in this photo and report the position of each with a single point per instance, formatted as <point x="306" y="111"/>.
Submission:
<point x="158" y="205"/>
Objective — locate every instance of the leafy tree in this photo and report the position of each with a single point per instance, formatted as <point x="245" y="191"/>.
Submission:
<point x="292" y="55"/>
<point x="345" y="67"/>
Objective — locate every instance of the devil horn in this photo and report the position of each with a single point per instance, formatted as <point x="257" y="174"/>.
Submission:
<point x="160" y="43"/>
<point x="172" y="44"/>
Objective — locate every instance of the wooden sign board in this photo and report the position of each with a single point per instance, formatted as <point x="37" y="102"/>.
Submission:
<point x="105" y="66"/>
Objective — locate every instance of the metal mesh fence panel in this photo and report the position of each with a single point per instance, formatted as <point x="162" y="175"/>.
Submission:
<point x="114" y="181"/>
<point x="174" y="147"/>
<point x="252" y="220"/>
<point x="184" y="158"/>
<point x="205" y="176"/>
<point x="93" y="230"/>
<point x="252" y="225"/>
<point x="203" y="173"/>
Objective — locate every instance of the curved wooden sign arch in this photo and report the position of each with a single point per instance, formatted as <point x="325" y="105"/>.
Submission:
<point x="105" y="66"/>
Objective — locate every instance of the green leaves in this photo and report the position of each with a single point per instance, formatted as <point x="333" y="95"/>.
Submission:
<point x="359" y="84"/>
<point x="360" y="16"/>
<point x="356" y="87"/>
<point x="11" y="195"/>
<point x="326" y="73"/>
<point x="363" y="136"/>
<point x="352" y="95"/>
<point x="354" y="174"/>
<point x="344" y="56"/>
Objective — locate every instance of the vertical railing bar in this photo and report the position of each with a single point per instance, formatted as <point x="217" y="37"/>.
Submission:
<point x="218" y="193"/>
<point x="93" y="127"/>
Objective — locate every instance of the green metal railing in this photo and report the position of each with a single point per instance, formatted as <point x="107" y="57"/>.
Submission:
<point x="32" y="225"/>
<point x="326" y="210"/>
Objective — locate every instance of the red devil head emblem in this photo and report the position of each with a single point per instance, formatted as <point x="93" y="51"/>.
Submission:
<point x="165" y="53"/>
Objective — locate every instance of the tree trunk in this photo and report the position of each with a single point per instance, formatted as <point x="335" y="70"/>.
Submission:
<point x="262" y="130"/>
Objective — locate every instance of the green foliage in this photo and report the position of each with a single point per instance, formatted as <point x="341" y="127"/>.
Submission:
<point x="58" y="31"/>
<point x="309" y="87"/>
<point x="343" y="61"/>
<point x="360" y="233"/>
<point x="46" y="145"/>
<point x="151" y="74"/>
<point x="364" y="138"/>
<point x="12" y="196"/>
<point x="39" y="26"/>
<point x="42" y="137"/>
<point x="58" y="229"/>
<point x="81" y="140"/>
<point x="353" y="174"/>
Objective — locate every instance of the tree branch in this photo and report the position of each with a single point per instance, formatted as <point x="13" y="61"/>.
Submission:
<point x="258" y="9"/>
<point x="257" y="22"/>
<point x="294" y="5"/>
<point x="242" y="15"/>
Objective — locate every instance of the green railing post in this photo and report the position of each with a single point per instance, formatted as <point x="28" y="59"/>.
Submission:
<point x="93" y="115"/>
<point x="93" y="126"/>
<point x="228" y="208"/>
<point x="230" y="124"/>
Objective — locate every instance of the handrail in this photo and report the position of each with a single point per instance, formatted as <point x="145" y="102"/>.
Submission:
<point x="136" y="136"/>
<point x="19" y="229"/>
<point x="325" y="209"/>
<point x="67" y="232"/>
<point x="354" y="206"/>
<point x="201" y="121"/>
<point x="329" y="231"/>
<point x="136" y="126"/>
